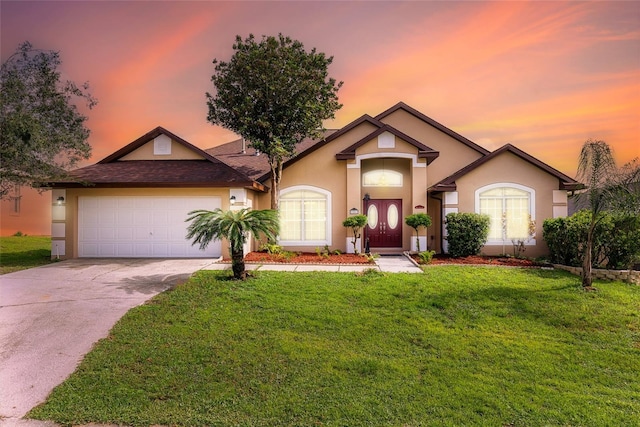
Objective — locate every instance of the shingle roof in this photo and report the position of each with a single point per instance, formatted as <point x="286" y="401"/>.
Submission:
<point x="158" y="173"/>
<point x="449" y="183"/>
<point x="255" y="166"/>
<point x="112" y="172"/>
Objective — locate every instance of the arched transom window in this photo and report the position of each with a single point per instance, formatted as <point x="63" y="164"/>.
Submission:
<point x="382" y="178"/>
<point x="511" y="208"/>
<point x="304" y="216"/>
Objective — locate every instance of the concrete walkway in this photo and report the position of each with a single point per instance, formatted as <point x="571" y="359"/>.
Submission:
<point x="386" y="263"/>
<point x="51" y="316"/>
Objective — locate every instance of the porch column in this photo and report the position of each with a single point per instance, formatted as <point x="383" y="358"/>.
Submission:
<point x="418" y="199"/>
<point x="58" y="223"/>
<point x="560" y="204"/>
<point x="354" y="200"/>
<point x="449" y="205"/>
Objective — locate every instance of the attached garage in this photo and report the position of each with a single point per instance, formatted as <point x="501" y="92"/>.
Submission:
<point x="140" y="227"/>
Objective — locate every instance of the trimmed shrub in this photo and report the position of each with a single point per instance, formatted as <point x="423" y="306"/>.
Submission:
<point x="416" y="221"/>
<point x="466" y="233"/>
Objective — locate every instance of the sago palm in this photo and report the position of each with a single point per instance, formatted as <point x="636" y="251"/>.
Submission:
<point x="235" y="226"/>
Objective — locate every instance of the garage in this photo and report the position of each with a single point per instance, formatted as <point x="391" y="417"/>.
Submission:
<point x="140" y="227"/>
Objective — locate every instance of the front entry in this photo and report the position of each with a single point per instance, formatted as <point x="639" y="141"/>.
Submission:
<point x="384" y="228"/>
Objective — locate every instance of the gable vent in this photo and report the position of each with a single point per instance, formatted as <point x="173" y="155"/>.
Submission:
<point x="162" y="145"/>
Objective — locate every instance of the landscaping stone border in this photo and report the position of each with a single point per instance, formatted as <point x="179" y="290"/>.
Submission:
<point x="629" y="276"/>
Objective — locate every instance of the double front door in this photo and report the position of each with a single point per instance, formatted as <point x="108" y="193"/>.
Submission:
<point x="384" y="223"/>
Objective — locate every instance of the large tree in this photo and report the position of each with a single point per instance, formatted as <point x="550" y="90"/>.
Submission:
<point x="608" y="189"/>
<point x="235" y="226"/>
<point x="273" y="93"/>
<point x="42" y="132"/>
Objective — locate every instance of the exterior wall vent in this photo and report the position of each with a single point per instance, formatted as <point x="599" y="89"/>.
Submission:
<point x="162" y="145"/>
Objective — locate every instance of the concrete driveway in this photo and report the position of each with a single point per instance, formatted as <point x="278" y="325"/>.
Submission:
<point x="51" y="316"/>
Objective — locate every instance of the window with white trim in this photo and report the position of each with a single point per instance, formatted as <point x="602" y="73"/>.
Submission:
<point x="304" y="216"/>
<point x="511" y="208"/>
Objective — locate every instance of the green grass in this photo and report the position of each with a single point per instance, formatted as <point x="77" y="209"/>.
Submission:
<point x="22" y="252"/>
<point x="455" y="346"/>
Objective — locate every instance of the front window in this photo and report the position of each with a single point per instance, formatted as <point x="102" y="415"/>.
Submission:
<point x="304" y="216"/>
<point x="511" y="209"/>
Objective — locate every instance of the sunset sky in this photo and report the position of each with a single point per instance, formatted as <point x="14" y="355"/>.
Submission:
<point x="544" y="76"/>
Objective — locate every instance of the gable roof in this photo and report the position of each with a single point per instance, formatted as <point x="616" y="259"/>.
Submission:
<point x="449" y="183"/>
<point x="423" y="150"/>
<point x="112" y="172"/>
<point x="243" y="158"/>
<point x="431" y="122"/>
<point x="148" y="137"/>
<point x="327" y="139"/>
<point x="428" y="153"/>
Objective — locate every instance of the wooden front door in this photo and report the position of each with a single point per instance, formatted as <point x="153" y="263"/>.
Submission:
<point x="384" y="225"/>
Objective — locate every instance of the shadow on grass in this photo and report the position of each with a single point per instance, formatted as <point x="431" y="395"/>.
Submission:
<point x="14" y="261"/>
<point x="554" y="303"/>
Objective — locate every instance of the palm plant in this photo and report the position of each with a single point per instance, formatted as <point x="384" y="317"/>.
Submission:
<point x="608" y="189"/>
<point x="235" y="226"/>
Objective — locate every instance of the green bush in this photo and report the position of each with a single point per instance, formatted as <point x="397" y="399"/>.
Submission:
<point x="271" y="248"/>
<point x="616" y="240"/>
<point x="621" y="246"/>
<point x="565" y="238"/>
<point x="426" y="256"/>
<point x="466" y="233"/>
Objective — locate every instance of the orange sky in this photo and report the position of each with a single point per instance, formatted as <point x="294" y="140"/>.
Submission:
<point x="544" y="76"/>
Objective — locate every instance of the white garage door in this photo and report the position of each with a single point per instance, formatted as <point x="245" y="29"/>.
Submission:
<point x="140" y="227"/>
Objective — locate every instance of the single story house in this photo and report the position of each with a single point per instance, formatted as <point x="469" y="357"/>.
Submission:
<point x="134" y="202"/>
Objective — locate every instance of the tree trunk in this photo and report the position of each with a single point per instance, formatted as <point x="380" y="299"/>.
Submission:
<point x="276" y="176"/>
<point x="237" y="263"/>
<point x="586" y="262"/>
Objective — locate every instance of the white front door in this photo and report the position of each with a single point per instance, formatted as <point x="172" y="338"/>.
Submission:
<point x="140" y="227"/>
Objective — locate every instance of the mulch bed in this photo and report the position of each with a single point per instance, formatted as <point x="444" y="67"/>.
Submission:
<point x="314" y="258"/>
<point x="483" y="260"/>
<point x="306" y="258"/>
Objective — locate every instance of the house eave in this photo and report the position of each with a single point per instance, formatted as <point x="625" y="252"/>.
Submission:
<point x="442" y="188"/>
<point x="248" y="185"/>
<point x="429" y="155"/>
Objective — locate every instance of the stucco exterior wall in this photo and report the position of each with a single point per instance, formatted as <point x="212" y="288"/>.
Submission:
<point x="454" y="155"/>
<point x="342" y="178"/>
<point x="509" y="168"/>
<point x="178" y="152"/>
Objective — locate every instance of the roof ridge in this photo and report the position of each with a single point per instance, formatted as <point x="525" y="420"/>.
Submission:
<point x="455" y="135"/>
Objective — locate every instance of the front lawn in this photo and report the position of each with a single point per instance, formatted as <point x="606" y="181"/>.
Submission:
<point x="455" y="346"/>
<point x="22" y="252"/>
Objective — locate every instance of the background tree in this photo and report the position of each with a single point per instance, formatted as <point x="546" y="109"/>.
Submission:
<point x="274" y="94"/>
<point x="607" y="190"/>
<point x="416" y="221"/>
<point x="235" y="226"/>
<point x="42" y="133"/>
